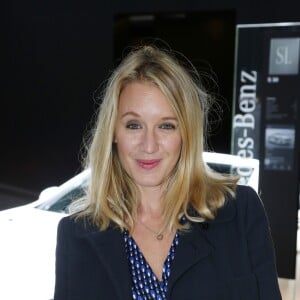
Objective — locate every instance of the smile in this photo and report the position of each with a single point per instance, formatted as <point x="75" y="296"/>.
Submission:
<point x="148" y="164"/>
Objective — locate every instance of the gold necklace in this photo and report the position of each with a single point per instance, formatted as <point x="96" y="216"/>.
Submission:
<point x="158" y="234"/>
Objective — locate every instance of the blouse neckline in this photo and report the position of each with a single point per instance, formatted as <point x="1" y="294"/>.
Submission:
<point x="145" y="284"/>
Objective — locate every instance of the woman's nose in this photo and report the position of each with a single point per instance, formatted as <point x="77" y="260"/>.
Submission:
<point x="150" y="141"/>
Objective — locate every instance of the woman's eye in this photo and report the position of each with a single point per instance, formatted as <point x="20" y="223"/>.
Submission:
<point x="133" y="126"/>
<point x="168" y="126"/>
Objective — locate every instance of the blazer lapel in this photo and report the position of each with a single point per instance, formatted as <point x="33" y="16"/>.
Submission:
<point x="192" y="247"/>
<point x="109" y="247"/>
<point x="196" y="245"/>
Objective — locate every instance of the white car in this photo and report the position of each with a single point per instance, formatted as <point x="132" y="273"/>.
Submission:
<point x="28" y="233"/>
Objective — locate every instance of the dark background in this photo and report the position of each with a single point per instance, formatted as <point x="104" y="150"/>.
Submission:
<point x="55" y="54"/>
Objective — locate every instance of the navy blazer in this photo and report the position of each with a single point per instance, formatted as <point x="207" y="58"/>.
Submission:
<point x="229" y="258"/>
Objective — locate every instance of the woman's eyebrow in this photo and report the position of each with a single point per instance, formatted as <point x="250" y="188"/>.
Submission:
<point x="171" y="118"/>
<point x="135" y="114"/>
<point x="130" y="113"/>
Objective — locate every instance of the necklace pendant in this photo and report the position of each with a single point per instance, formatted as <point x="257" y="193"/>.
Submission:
<point x="159" y="237"/>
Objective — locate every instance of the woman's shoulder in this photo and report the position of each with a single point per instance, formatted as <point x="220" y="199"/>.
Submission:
<point x="248" y="206"/>
<point x="76" y="224"/>
<point x="245" y="201"/>
<point x="245" y="191"/>
<point x="247" y="198"/>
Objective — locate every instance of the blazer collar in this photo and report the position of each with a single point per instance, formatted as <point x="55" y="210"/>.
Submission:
<point x="193" y="247"/>
<point x="225" y="213"/>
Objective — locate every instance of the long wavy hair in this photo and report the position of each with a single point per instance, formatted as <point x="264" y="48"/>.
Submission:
<point x="193" y="189"/>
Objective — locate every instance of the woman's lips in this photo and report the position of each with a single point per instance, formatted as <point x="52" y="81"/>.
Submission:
<point x="148" y="164"/>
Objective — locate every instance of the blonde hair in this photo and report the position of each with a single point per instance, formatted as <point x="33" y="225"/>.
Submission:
<point x="192" y="186"/>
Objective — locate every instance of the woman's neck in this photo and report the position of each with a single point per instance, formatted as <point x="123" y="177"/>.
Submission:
<point x="150" y="203"/>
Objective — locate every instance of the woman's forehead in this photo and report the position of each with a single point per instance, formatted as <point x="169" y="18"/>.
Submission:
<point x="141" y="97"/>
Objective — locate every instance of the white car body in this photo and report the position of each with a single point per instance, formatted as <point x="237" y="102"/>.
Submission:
<point x="28" y="241"/>
<point x="28" y="233"/>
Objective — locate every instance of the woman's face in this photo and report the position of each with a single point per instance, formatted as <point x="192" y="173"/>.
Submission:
<point x="147" y="134"/>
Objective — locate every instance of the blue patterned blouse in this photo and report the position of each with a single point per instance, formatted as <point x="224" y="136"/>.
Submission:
<point x="145" y="284"/>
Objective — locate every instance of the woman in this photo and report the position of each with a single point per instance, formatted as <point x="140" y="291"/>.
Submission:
<point x="156" y="222"/>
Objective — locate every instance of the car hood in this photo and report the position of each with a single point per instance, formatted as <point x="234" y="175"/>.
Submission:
<point x="27" y="253"/>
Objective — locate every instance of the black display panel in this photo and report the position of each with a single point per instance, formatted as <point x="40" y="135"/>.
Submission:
<point x="266" y="117"/>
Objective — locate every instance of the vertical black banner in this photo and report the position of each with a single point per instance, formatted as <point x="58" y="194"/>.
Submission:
<point x="266" y="124"/>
